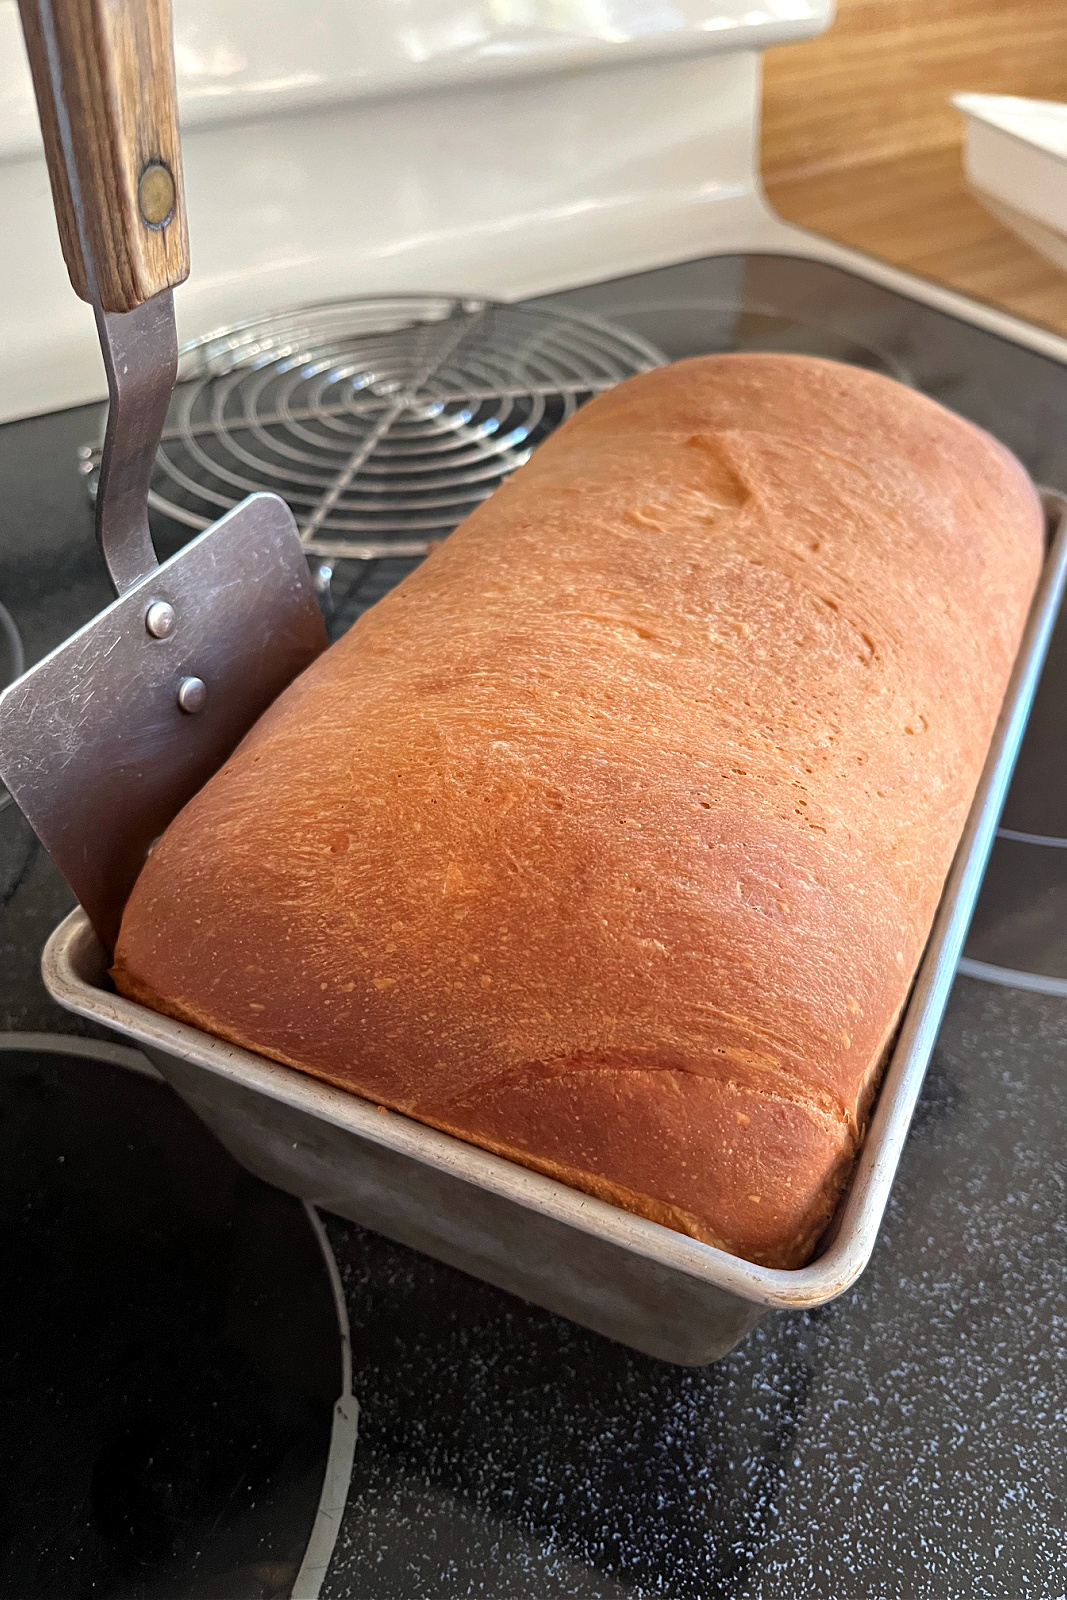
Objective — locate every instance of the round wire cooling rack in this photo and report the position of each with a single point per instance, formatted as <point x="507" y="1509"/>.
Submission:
<point x="382" y="422"/>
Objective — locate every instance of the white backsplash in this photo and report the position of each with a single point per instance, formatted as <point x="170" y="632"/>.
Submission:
<point x="238" y="59"/>
<point x="339" y="147"/>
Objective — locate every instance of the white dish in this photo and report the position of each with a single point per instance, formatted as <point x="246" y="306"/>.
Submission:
<point x="1015" y="160"/>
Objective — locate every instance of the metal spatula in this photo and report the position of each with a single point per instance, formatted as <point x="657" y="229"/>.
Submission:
<point x="105" y="740"/>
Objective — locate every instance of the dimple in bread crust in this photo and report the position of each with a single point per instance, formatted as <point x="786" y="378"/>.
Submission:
<point x="611" y="838"/>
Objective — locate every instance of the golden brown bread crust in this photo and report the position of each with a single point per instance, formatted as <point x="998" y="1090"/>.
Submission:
<point x="611" y="838"/>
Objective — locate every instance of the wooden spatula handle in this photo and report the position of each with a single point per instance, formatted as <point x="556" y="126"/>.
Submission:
<point x="103" y="72"/>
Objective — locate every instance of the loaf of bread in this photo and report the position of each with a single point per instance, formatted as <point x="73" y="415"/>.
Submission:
<point x="610" y="839"/>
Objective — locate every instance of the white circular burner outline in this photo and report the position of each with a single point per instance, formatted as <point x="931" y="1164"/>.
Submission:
<point x="1049" y="840"/>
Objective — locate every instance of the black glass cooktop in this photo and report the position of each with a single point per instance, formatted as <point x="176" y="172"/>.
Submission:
<point x="170" y="1352"/>
<point x="904" y="1441"/>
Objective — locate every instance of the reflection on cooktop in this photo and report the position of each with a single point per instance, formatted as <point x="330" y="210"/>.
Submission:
<point x="690" y="327"/>
<point x="169" y="1352"/>
<point x="1021" y="918"/>
<point x="1037" y="803"/>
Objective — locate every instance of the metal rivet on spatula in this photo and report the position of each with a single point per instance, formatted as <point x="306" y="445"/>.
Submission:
<point x="156" y="194"/>
<point x="192" y="695"/>
<point x="159" y="619"/>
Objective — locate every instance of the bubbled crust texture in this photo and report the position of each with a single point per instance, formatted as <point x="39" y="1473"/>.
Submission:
<point x="610" y="839"/>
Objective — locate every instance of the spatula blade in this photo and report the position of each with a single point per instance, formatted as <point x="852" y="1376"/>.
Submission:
<point x="95" y="747"/>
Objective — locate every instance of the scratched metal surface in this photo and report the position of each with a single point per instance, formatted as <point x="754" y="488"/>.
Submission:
<point x="94" y="746"/>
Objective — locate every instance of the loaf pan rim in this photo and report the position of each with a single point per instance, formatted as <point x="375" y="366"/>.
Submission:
<point x="72" y="954"/>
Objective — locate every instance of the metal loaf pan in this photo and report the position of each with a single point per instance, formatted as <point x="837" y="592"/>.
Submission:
<point x="631" y="1279"/>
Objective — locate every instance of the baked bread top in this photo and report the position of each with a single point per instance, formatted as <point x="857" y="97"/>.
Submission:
<point x="611" y="838"/>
